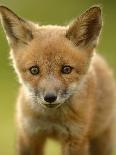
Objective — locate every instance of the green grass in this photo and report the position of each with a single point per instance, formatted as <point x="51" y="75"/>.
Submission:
<point x="47" y="12"/>
<point x="52" y="148"/>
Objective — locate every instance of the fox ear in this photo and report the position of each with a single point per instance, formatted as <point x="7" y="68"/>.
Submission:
<point x="17" y="30"/>
<point x="85" y="30"/>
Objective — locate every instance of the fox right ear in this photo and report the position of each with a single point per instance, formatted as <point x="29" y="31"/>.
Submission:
<point x="85" y="30"/>
<point x="17" y="30"/>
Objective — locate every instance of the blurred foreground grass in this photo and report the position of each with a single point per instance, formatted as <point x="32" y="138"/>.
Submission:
<point x="47" y="12"/>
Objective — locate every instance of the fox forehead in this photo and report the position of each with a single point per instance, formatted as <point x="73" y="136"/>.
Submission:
<point x="50" y="45"/>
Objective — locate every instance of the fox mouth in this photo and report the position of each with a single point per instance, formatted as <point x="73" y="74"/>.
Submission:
<point x="53" y="105"/>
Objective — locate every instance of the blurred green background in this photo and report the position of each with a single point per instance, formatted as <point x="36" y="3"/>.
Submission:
<point x="46" y="12"/>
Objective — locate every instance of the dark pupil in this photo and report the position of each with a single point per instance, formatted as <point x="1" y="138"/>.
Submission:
<point x="66" y="69"/>
<point x="34" y="70"/>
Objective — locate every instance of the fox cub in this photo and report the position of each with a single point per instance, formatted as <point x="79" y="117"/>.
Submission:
<point x="67" y="91"/>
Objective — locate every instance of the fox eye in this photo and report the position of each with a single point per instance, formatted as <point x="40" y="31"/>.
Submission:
<point x="66" y="69"/>
<point x="34" y="70"/>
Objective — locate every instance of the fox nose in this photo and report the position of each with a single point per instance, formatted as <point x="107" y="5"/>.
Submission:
<point x="50" y="98"/>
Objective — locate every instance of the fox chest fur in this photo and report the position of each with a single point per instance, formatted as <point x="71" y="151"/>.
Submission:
<point x="52" y="127"/>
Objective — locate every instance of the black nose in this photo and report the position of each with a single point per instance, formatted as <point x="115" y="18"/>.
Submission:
<point x="50" y="98"/>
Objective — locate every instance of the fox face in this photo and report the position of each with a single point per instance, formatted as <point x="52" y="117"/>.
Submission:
<point x="51" y="72"/>
<point x="51" y="61"/>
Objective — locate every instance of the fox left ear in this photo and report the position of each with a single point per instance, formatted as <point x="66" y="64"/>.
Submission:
<point x="17" y="30"/>
<point x="85" y="30"/>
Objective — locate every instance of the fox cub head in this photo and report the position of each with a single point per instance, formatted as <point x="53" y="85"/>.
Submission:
<point x="51" y="61"/>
